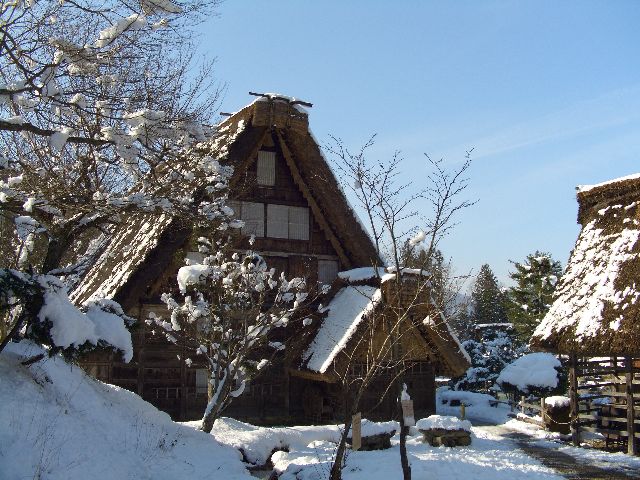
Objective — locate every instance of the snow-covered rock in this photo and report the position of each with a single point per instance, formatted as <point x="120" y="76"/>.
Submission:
<point x="443" y="422"/>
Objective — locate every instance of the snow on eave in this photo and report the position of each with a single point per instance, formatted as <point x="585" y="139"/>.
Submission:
<point x="361" y="274"/>
<point x="347" y="310"/>
<point x="588" y="188"/>
<point x="494" y="325"/>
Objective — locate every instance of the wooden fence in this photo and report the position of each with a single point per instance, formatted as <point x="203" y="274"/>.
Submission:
<point x="605" y="399"/>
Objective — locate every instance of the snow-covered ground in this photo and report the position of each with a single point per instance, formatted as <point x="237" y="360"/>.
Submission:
<point x="58" y="423"/>
<point x="310" y="450"/>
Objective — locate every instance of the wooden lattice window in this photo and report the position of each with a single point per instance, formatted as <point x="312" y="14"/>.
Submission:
<point x="252" y="214"/>
<point x="266" y="168"/>
<point x="285" y="221"/>
<point x="202" y="381"/>
<point x="327" y="271"/>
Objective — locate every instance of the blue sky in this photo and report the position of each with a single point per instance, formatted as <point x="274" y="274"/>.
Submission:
<point x="546" y="92"/>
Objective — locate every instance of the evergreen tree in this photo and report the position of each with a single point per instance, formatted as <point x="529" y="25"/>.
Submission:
<point x="492" y="349"/>
<point x="487" y="299"/>
<point x="491" y="345"/>
<point x="529" y="300"/>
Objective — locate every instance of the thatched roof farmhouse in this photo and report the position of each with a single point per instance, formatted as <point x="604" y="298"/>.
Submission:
<point x="595" y="316"/>
<point x="596" y="310"/>
<point x="279" y="174"/>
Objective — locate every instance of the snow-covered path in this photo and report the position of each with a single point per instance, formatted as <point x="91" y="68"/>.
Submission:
<point x="576" y="466"/>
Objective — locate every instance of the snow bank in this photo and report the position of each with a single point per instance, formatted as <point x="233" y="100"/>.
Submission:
<point x="478" y="406"/>
<point x="468" y="398"/>
<point x="557" y="401"/>
<point x="443" y="422"/>
<point x="490" y="457"/>
<point x="532" y="370"/>
<point x="369" y="428"/>
<point x="58" y="423"/>
<point x="258" y="443"/>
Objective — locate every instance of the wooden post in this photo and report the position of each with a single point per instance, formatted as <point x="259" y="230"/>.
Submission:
<point x="522" y="404"/>
<point x="631" y="426"/>
<point x="356" y="431"/>
<point x="542" y="412"/>
<point x="573" y="396"/>
<point x="462" y="411"/>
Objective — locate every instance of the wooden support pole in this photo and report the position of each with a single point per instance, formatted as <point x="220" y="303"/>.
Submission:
<point x="631" y="426"/>
<point x="573" y="396"/>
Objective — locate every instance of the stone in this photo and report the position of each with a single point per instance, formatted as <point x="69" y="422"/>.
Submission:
<point x="449" y="438"/>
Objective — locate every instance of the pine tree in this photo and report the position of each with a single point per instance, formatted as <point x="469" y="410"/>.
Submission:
<point x="487" y="299"/>
<point x="530" y="299"/>
<point x="492" y="346"/>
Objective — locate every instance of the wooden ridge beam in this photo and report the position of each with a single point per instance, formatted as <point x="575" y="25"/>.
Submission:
<point x="315" y="208"/>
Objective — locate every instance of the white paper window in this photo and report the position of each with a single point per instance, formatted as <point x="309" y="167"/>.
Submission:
<point x="277" y="221"/>
<point x="202" y="380"/>
<point x="327" y="271"/>
<point x="253" y="217"/>
<point x="266" y="168"/>
<point x="299" y="223"/>
<point x="236" y="206"/>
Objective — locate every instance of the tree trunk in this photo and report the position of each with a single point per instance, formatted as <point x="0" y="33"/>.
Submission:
<point x="55" y="251"/>
<point x="336" y="468"/>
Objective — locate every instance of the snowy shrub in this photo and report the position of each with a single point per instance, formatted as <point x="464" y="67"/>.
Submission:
<point x="538" y="374"/>
<point x="50" y="318"/>
<point x="230" y="304"/>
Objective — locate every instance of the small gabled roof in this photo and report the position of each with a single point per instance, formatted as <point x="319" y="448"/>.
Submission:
<point x="357" y="296"/>
<point x="142" y="247"/>
<point x="596" y="308"/>
<point x="348" y="308"/>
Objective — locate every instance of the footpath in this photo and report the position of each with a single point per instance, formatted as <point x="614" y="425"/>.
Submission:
<point x="568" y="466"/>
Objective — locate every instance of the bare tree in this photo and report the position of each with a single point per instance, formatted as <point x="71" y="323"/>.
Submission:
<point x="390" y="206"/>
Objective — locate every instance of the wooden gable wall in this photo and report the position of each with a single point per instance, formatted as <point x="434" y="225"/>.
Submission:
<point x="291" y="256"/>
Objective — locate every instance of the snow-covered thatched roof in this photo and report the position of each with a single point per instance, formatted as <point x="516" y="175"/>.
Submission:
<point x="143" y="246"/>
<point x="596" y="309"/>
<point x="347" y="310"/>
<point x="358" y="295"/>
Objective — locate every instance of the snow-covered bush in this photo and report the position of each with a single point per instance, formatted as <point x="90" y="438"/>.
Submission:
<point x="538" y="374"/>
<point x="50" y="318"/>
<point x="494" y="349"/>
<point x="230" y="305"/>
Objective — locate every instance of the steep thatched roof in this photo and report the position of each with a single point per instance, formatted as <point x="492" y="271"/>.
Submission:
<point x="142" y="247"/>
<point x="353" y="300"/>
<point x="596" y="309"/>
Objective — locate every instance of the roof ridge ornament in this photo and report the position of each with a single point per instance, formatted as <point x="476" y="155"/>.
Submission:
<point x="283" y="98"/>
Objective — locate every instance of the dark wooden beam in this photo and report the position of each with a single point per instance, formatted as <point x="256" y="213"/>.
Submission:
<point x="573" y="397"/>
<point x="315" y="208"/>
<point x="631" y="426"/>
